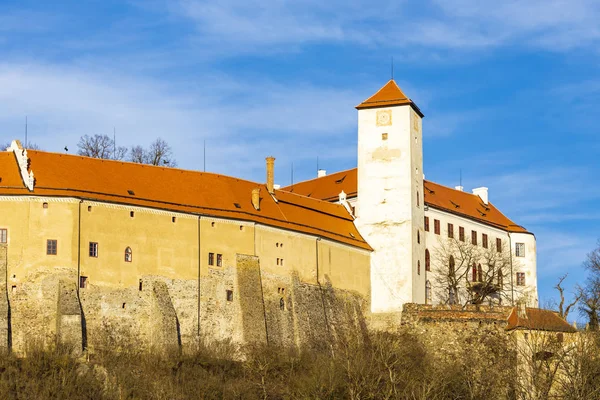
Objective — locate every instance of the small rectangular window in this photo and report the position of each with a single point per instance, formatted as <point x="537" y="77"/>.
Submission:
<point x="484" y="240"/>
<point x="520" y="249"/>
<point x="3" y="235"/>
<point x="520" y="278"/>
<point x="82" y="282"/>
<point x="426" y="224"/>
<point x="474" y="238"/>
<point x="436" y="226"/>
<point x="51" y="247"/>
<point x="93" y="249"/>
<point x="461" y="233"/>
<point x="498" y="245"/>
<point x="451" y="231"/>
<point x="384" y="136"/>
<point x="229" y="295"/>
<point x="219" y="260"/>
<point x="211" y="258"/>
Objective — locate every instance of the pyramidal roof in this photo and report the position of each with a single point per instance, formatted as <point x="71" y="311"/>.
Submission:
<point x="389" y="95"/>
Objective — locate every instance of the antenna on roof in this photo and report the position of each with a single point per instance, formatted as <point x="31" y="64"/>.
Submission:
<point x="204" y="157"/>
<point x="392" y="67"/>
<point x="26" y="131"/>
<point x="292" y="175"/>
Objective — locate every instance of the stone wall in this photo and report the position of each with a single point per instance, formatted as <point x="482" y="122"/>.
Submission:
<point x="4" y="304"/>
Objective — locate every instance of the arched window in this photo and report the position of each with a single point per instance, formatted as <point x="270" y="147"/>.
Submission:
<point x="451" y="265"/>
<point x="427" y="292"/>
<point x="427" y="261"/>
<point x="418" y="237"/>
<point x="480" y="273"/>
<point x="418" y="267"/>
<point x="128" y="254"/>
<point x="474" y="273"/>
<point x="281" y="304"/>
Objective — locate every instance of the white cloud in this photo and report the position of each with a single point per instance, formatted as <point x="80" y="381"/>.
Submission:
<point x="241" y="122"/>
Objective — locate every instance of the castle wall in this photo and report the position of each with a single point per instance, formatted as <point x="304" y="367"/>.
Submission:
<point x="272" y="285"/>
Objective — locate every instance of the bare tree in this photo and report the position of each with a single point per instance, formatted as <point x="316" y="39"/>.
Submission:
<point x="466" y="273"/>
<point x="159" y="153"/>
<point x="564" y="312"/>
<point x="30" y="146"/>
<point x="590" y="301"/>
<point x="100" y="146"/>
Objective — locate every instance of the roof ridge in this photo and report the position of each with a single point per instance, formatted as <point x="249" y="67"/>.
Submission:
<point x="318" y="177"/>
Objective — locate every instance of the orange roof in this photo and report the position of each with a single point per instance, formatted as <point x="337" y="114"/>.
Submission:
<point x="538" y="319"/>
<point x="177" y="190"/>
<point x="389" y="95"/>
<point x="9" y="171"/>
<point x="327" y="187"/>
<point x="437" y="196"/>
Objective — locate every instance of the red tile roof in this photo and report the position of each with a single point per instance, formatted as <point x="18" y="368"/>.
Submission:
<point x="177" y="190"/>
<point x="538" y="319"/>
<point x="389" y="95"/>
<point x="437" y="196"/>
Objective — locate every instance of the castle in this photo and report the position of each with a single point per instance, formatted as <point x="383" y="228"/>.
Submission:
<point x="170" y="257"/>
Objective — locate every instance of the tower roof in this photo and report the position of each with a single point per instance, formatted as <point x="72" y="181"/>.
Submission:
<point x="389" y="95"/>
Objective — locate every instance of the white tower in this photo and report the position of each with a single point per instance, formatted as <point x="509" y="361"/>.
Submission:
<point x="390" y="197"/>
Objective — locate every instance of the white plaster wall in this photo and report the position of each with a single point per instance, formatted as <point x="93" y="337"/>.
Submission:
<point x="386" y="216"/>
<point x="525" y="264"/>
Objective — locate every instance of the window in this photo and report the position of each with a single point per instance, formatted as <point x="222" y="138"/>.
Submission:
<point x="427" y="292"/>
<point x="281" y="262"/>
<point x="418" y="267"/>
<point x="418" y="237"/>
<point x="474" y="273"/>
<point x="427" y="261"/>
<point x="474" y="238"/>
<point x="436" y="226"/>
<point x="51" y="247"/>
<point x="451" y="265"/>
<point x="484" y="240"/>
<point x="479" y="273"/>
<point x="498" y="245"/>
<point x="3" y="235"/>
<point x="219" y="260"/>
<point x="384" y="136"/>
<point x="417" y="199"/>
<point x="89" y="208"/>
<point x="93" y="249"/>
<point x="450" y="231"/>
<point x="131" y="214"/>
<point x="128" y="255"/>
<point x="426" y="224"/>
<point x="211" y="258"/>
<point x="461" y="233"/>
<point x="520" y="249"/>
<point x="82" y="282"/>
<point x="229" y="295"/>
<point x="500" y="278"/>
<point x="277" y="261"/>
<point x="282" y="304"/>
<point x="45" y="205"/>
<point x="173" y="219"/>
<point x="520" y="278"/>
<point x="140" y="285"/>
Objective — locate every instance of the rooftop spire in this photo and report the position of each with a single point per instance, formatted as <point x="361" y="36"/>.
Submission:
<point x="389" y="95"/>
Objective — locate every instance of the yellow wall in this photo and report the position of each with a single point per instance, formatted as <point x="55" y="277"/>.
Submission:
<point x="165" y="248"/>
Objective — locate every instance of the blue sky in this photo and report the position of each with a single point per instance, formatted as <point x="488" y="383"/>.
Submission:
<point x="510" y="92"/>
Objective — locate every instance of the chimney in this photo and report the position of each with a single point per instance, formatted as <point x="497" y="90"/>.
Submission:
<point x="459" y="188"/>
<point x="521" y="310"/>
<point x="270" y="173"/>
<point x="256" y="198"/>
<point x="321" y="173"/>
<point x="482" y="192"/>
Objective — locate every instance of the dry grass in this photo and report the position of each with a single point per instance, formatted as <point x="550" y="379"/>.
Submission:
<point x="380" y="366"/>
